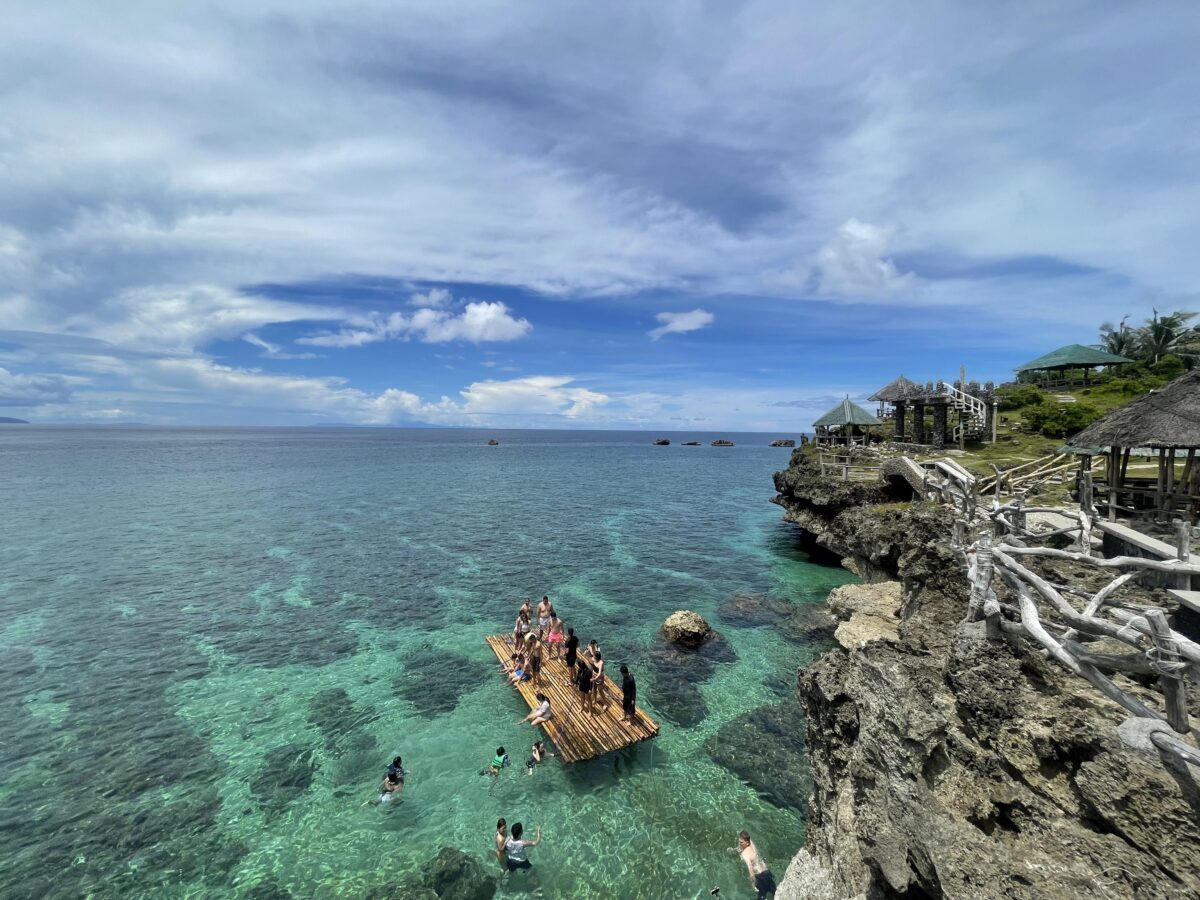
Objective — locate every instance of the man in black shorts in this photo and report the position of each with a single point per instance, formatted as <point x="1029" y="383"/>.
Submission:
<point x="572" y="652"/>
<point x="628" y="695"/>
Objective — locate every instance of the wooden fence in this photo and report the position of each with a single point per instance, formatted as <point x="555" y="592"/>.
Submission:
<point x="1063" y="620"/>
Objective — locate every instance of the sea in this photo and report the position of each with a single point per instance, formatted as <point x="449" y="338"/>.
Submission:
<point x="213" y="641"/>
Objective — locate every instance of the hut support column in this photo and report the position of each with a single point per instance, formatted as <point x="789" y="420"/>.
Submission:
<point x="1114" y="481"/>
<point x="918" y="423"/>
<point x="1160" y="487"/>
<point x="900" y="420"/>
<point x="939" y="426"/>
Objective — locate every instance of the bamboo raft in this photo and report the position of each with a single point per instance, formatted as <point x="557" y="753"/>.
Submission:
<point x="577" y="735"/>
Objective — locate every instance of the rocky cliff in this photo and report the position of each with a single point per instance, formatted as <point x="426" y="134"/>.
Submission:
<point x="944" y="765"/>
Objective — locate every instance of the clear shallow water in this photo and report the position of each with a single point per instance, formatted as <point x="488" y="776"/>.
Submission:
<point x="214" y="639"/>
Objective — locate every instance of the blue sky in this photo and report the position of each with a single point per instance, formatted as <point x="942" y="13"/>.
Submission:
<point x="678" y="215"/>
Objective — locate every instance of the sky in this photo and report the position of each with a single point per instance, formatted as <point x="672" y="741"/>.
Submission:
<point x="684" y="216"/>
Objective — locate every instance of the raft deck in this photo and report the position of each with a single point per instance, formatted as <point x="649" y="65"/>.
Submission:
<point x="578" y="735"/>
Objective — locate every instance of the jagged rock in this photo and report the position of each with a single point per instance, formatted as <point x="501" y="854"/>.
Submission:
<point x="944" y="765"/>
<point x="687" y="628"/>
<point x="453" y="875"/>
<point x="783" y="442"/>
<point x="869" y="612"/>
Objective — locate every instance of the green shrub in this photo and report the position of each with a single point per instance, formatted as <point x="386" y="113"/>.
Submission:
<point x="1168" y="368"/>
<point x="1015" y="396"/>
<point x="1061" y="420"/>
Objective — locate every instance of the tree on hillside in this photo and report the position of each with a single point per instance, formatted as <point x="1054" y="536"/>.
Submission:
<point x="1118" y="340"/>
<point x="1166" y="335"/>
<point x="1169" y="334"/>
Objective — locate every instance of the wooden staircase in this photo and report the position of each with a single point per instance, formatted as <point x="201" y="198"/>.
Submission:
<point x="973" y="412"/>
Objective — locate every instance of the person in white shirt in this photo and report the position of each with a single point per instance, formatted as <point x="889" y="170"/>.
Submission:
<point x="515" y="848"/>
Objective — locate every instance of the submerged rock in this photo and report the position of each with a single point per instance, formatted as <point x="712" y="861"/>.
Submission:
<point x="807" y="624"/>
<point x="753" y="610"/>
<point x="766" y="749"/>
<point x="678" y="672"/>
<point x="286" y="773"/>
<point x="433" y="680"/>
<point x="453" y="875"/>
<point x="337" y="717"/>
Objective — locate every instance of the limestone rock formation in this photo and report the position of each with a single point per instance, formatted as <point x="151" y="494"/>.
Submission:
<point x="687" y="628"/>
<point x="946" y="765"/>
<point x="783" y="442"/>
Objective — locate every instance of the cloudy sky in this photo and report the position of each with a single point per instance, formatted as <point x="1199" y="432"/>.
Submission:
<point x="665" y="215"/>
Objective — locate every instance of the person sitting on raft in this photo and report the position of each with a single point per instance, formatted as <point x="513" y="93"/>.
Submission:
<point x="541" y="715"/>
<point x="518" y="672"/>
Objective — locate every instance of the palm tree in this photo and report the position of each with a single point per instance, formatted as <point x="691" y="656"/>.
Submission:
<point x="1169" y="334"/>
<point x="1118" y="341"/>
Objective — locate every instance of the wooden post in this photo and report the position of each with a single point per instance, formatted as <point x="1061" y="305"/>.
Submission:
<point x="1018" y="516"/>
<point x="1085" y="492"/>
<point x="995" y="416"/>
<point x="962" y="412"/>
<point x="1174" y="687"/>
<point x="1183" y="540"/>
<point x="1170" y="498"/>
<point x="1114" y="469"/>
<point x="1160" y="485"/>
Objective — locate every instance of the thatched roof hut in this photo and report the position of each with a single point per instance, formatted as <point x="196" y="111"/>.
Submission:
<point x="900" y="389"/>
<point x="846" y="423"/>
<point x="1167" y="417"/>
<point x="1168" y="420"/>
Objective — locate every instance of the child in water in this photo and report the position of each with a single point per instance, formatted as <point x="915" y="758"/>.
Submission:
<point x="499" y="761"/>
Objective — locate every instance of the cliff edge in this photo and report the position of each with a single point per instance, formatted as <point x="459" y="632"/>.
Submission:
<point x="945" y="765"/>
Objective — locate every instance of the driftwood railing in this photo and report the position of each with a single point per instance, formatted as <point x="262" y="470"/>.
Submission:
<point x="843" y="465"/>
<point x="1027" y="475"/>
<point x="1063" y="620"/>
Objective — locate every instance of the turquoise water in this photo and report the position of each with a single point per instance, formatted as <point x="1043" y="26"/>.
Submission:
<point x="213" y="640"/>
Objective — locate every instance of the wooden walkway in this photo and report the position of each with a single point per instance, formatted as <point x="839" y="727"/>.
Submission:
<point x="578" y="735"/>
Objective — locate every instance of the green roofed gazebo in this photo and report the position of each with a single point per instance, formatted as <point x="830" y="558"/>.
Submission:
<point x="847" y="423"/>
<point x="1072" y="356"/>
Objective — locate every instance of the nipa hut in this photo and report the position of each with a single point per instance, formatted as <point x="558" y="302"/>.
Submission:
<point x="846" y="424"/>
<point x="1166" y="420"/>
<point x="1053" y="369"/>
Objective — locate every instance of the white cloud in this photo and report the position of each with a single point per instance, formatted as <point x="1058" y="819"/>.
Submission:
<point x="855" y="264"/>
<point x="534" y="394"/>
<point x="680" y="322"/>
<point x="436" y="298"/>
<point x="478" y="322"/>
<point x="532" y="400"/>
<point x="32" y="390"/>
<point x="274" y="351"/>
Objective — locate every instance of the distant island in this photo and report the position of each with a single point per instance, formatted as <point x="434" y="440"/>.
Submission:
<point x="8" y="420"/>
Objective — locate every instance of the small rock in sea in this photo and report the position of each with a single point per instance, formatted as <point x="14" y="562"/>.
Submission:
<point x="686" y="627"/>
<point x="722" y="443"/>
<point x="662" y="442"/>
<point x="691" y="443"/>
<point x="783" y="442"/>
<point x="493" y="443"/>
